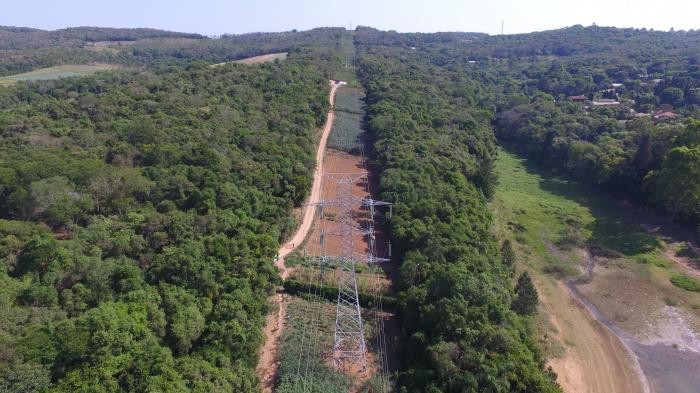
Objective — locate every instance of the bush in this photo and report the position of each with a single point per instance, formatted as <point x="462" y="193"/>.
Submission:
<point x="685" y="282"/>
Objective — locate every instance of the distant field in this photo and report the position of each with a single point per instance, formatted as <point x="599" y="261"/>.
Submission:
<point x="62" y="71"/>
<point x="270" y="57"/>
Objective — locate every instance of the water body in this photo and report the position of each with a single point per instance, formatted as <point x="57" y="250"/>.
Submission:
<point x="668" y="369"/>
<point x="664" y="368"/>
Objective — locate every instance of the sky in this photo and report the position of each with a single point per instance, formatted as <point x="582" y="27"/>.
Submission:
<point x="215" y="17"/>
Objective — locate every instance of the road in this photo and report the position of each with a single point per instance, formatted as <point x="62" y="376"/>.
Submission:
<point x="268" y="362"/>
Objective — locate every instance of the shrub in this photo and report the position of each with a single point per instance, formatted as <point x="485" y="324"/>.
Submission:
<point x="685" y="282"/>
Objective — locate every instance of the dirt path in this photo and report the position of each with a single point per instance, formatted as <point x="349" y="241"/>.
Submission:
<point x="268" y="362"/>
<point x="601" y="360"/>
<point x="595" y="360"/>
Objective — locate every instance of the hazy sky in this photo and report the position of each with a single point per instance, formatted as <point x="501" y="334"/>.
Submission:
<point x="213" y="17"/>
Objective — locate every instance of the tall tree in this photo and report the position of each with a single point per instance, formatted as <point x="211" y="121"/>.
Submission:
<point x="526" y="300"/>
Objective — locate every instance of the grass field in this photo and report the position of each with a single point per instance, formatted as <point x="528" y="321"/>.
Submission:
<point x="62" y="71"/>
<point x="346" y="53"/>
<point x="263" y="58"/>
<point x="559" y="226"/>
<point x="546" y="211"/>
<point x="268" y="58"/>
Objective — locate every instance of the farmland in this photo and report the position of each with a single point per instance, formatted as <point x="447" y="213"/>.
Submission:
<point x="257" y="59"/>
<point x="348" y="130"/>
<point x="62" y="71"/>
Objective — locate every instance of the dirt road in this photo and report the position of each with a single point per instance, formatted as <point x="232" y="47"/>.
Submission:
<point x="595" y="360"/>
<point x="269" y="361"/>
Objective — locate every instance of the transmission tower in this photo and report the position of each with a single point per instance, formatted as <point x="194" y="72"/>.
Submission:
<point x="349" y="341"/>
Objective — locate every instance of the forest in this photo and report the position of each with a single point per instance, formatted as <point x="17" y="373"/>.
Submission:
<point x="140" y="214"/>
<point x="141" y="208"/>
<point x="435" y="148"/>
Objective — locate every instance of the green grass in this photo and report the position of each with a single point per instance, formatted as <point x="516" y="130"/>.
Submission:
<point x="556" y="215"/>
<point x="550" y="219"/>
<point x="304" y="343"/>
<point x="345" y="51"/>
<point x="536" y="217"/>
<point x="653" y="259"/>
<point x="62" y="71"/>
<point x="685" y="282"/>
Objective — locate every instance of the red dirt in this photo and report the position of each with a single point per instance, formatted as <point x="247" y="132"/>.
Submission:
<point x="339" y="162"/>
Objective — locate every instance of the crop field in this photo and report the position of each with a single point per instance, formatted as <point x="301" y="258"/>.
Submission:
<point x="304" y="345"/>
<point x="305" y="363"/>
<point x="347" y="131"/>
<point x="268" y="58"/>
<point x="372" y="280"/>
<point x="345" y="51"/>
<point x="62" y="71"/>
<point x="349" y="99"/>
<point x="307" y="341"/>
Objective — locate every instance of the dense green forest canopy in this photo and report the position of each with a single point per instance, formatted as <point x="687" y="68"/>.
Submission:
<point x="139" y="217"/>
<point x="602" y="104"/>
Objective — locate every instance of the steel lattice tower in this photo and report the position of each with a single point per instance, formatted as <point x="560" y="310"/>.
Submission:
<point x="349" y="339"/>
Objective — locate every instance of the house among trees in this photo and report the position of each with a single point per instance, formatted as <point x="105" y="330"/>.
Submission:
<point x="605" y="102"/>
<point x="580" y="98"/>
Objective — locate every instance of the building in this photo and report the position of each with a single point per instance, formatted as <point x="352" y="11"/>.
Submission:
<point x="606" y="102"/>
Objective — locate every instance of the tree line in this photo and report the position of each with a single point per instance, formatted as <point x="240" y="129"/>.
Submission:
<point x="435" y="148"/>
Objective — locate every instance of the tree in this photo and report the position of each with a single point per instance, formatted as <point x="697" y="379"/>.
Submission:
<point x="670" y="186"/>
<point x="672" y="96"/>
<point x="526" y="300"/>
<point x="25" y="378"/>
<point x="693" y="97"/>
<point x="507" y="253"/>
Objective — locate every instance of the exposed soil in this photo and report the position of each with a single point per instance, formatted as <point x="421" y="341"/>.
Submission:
<point x="332" y="165"/>
<point x="593" y="360"/>
<point x="257" y="59"/>
<point x="336" y="164"/>
<point x="268" y="362"/>
<point x="315" y="195"/>
<point x="621" y="325"/>
<point x="665" y="346"/>
<point x="687" y="264"/>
